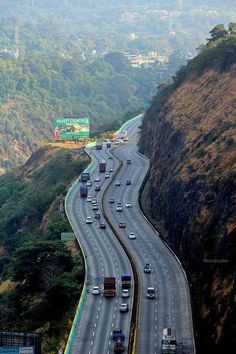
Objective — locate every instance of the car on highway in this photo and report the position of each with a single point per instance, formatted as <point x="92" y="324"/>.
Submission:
<point x="111" y="200"/>
<point x="95" y="290"/>
<point x="102" y="225"/>
<point x="122" y="225"/>
<point x="107" y="175"/>
<point x="128" y="205"/>
<point x="95" y="207"/>
<point x="124" y="307"/>
<point x="147" y="268"/>
<point x="97" y="215"/>
<point x="89" y="220"/>
<point x="88" y="183"/>
<point x="151" y="293"/>
<point x="97" y="188"/>
<point x="117" y="183"/>
<point x="128" y="162"/>
<point x="125" y="293"/>
<point x="132" y="235"/>
<point x="111" y="169"/>
<point x="94" y="201"/>
<point x="97" y="179"/>
<point x="128" y="183"/>
<point x="110" y="157"/>
<point x="89" y="198"/>
<point x="118" y="207"/>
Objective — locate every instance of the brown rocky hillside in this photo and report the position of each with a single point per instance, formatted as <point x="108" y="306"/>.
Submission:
<point x="191" y="193"/>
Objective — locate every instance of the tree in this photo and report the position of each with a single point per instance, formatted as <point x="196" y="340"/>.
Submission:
<point x="217" y="32"/>
<point x="232" y="27"/>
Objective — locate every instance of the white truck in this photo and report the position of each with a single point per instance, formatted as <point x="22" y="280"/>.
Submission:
<point x="169" y="343"/>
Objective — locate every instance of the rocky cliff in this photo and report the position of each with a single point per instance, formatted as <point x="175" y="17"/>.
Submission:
<point x="191" y="187"/>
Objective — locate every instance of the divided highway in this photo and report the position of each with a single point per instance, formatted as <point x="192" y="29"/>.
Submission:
<point x="105" y="257"/>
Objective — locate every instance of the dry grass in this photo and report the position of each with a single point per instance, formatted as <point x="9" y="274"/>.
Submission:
<point x="6" y="286"/>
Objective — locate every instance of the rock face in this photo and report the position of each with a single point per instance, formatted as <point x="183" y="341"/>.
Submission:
<point x="192" y="193"/>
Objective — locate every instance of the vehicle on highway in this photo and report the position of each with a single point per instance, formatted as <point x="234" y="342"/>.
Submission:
<point x="125" y="281"/>
<point x="122" y="225"/>
<point x="169" y="343"/>
<point x="108" y="144"/>
<point x="97" y="216"/>
<point x="88" y="183"/>
<point x="107" y="175"/>
<point x="118" y="341"/>
<point x="97" y="179"/>
<point x="110" y="157"/>
<point x="117" y="183"/>
<point x="111" y="169"/>
<point x="83" y="191"/>
<point x="128" y="205"/>
<point x="128" y="162"/>
<point x="95" y="207"/>
<point x="132" y="235"/>
<point x="125" y="293"/>
<point x="118" y="207"/>
<point x="147" y="268"/>
<point x="109" y="286"/>
<point x="124" y="307"/>
<point x="89" y="220"/>
<point x="151" y="294"/>
<point x="102" y="166"/>
<point x="94" y="201"/>
<point x="97" y="188"/>
<point x="85" y="176"/>
<point x="111" y="200"/>
<point x="95" y="290"/>
<point x="89" y="198"/>
<point x="102" y="225"/>
<point x="128" y="183"/>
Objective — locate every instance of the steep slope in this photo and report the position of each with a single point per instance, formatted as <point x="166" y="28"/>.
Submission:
<point x="191" y="187"/>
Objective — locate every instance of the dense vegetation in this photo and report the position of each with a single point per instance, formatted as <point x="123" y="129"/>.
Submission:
<point x="41" y="278"/>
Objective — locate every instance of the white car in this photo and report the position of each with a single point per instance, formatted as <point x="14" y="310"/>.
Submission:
<point x="107" y="175"/>
<point x="111" y="169"/>
<point x="128" y="205"/>
<point x="117" y="183"/>
<point x="89" y="220"/>
<point x="132" y="235"/>
<point x="96" y="290"/>
<point x="125" y="293"/>
<point x="89" y="198"/>
<point x="124" y="307"/>
<point x="97" y="179"/>
<point x="88" y="183"/>
<point x="94" y="201"/>
<point x="118" y="207"/>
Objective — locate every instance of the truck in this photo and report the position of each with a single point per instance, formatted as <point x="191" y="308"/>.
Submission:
<point x="102" y="166"/>
<point x="109" y="286"/>
<point x="98" y="146"/>
<point x="126" y="281"/>
<point x="123" y="135"/>
<point x="83" y="191"/>
<point x="118" y="340"/>
<point x="85" y="176"/>
<point x="108" y="144"/>
<point x="112" y="136"/>
<point x="169" y="343"/>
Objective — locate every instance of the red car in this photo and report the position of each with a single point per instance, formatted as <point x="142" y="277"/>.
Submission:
<point x="122" y="225"/>
<point x="102" y="226"/>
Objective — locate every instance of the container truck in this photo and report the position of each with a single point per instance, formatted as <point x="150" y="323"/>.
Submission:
<point x="83" y="191"/>
<point x="118" y="340"/>
<point x="85" y="176"/>
<point x="126" y="281"/>
<point x="98" y="146"/>
<point x="109" y="286"/>
<point x="169" y="343"/>
<point x="112" y="136"/>
<point x="123" y="135"/>
<point x="102" y="166"/>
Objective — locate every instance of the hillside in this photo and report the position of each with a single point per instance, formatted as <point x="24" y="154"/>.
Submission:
<point x="41" y="277"/>
<point x="190" y="194"/>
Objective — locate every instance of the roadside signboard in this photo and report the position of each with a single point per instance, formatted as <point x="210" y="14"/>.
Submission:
<point x="71" y="128"/>
<point x="67" y="236"/>
<point x="16" y="350"/>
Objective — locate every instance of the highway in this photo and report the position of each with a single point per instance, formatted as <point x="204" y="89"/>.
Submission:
<point x="171" y="307"/>
<point x="104" y="257"/>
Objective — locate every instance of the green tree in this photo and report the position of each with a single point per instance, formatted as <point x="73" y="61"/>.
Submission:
<point x="232" y="27"/>
<point x="217" y="32"/>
